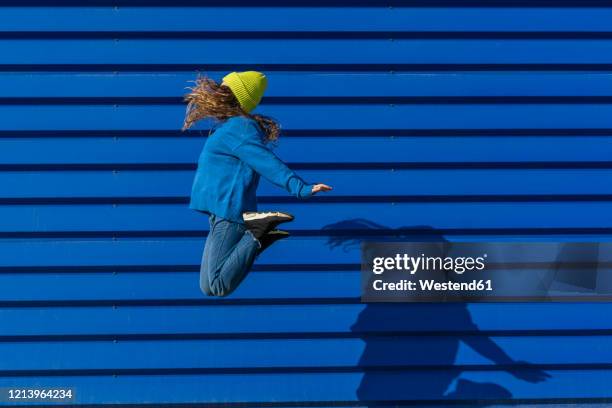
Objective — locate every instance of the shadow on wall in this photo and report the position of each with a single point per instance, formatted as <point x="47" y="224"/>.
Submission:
<point x="402" y="366"/>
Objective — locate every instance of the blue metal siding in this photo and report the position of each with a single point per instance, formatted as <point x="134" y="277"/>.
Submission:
<point x="456" y="121"/>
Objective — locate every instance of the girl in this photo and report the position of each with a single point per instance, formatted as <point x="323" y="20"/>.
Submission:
<point x="228" y="173"/>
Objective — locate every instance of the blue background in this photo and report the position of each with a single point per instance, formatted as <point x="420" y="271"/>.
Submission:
<point x="462" y="121"/>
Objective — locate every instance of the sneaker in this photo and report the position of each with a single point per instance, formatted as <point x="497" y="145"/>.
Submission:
<point x="270" y="238"/>
<point x="261" y="223"/>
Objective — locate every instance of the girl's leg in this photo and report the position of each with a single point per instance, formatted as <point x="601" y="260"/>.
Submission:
<point x="228" y="256"/>
<point x="204" y="283"/>
<point x="227" y="277"/>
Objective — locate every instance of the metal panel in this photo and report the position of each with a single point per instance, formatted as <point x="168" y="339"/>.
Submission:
<point x="464" y="121"/>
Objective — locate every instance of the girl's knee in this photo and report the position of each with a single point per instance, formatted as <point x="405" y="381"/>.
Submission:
<point x="205" y="289"/>
<point x="218" y="290"/>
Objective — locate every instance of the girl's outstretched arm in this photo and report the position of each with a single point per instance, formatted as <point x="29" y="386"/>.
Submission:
<point x="260" y="158"/>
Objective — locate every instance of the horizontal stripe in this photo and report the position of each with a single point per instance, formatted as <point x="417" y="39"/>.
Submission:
<point x="403" y="116"/>
<point x="391" y="217"/>
<point x="176" y="185"/>
<point x="176" y="286"/>
<point x="93" y="150"/>
<point x="177" y="19"/>
<point x="362" y="51"/>
<point x="331" y="253"/>
<point x="329" y="85"/>
<point x="359" y="353"/>
<point x="469" y="149"/>
<point x="142" y="286"/>
<point x="376" y="386"/>
<point x="310" y="320"/>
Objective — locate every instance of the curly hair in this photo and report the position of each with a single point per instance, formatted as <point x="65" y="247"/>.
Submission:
<point x="209" y="99"/>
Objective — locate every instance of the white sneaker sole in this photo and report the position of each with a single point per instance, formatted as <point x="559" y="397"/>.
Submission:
<point x="279" y="233"/>
<point x="251" y="216"/>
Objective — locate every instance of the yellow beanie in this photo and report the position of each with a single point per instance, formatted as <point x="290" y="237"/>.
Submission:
<point x="248" y="87"/>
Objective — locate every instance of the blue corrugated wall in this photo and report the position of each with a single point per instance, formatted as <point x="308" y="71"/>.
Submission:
<point x="456" y="120"/>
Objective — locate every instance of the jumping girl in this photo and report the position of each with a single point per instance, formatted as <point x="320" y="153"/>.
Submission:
<point x="225" y="184"/>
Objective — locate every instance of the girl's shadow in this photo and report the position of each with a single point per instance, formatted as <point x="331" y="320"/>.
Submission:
<point x="401" y="364"/>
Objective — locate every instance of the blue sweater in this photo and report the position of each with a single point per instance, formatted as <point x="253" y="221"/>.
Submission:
<point x="229" y="167"/>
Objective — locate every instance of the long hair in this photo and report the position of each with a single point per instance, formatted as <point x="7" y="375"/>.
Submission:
<point x="209" y="99"/>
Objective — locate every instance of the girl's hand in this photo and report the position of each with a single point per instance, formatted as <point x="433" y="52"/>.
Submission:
<point x="320" y="187"/>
